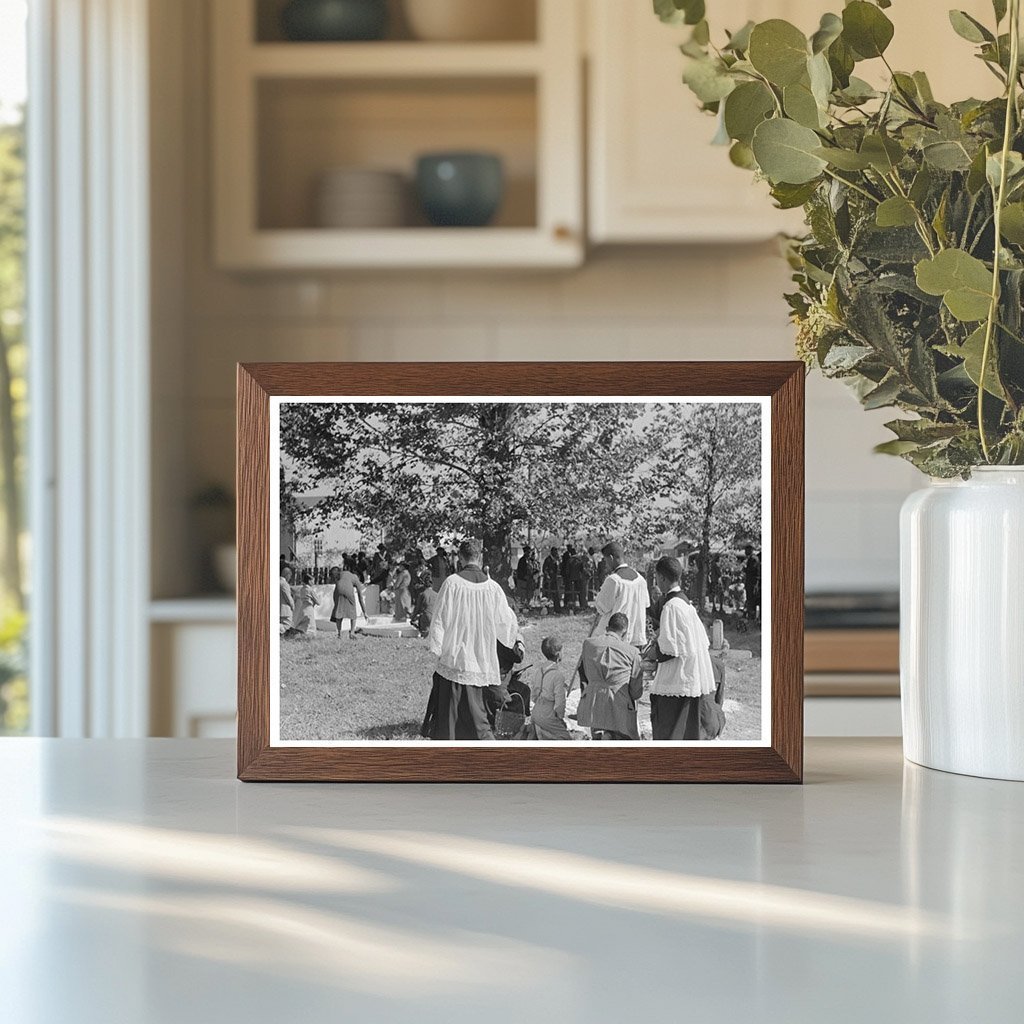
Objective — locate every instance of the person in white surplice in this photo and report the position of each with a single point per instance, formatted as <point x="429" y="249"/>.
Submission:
<point x="685" y="673"/>
<point x="470" y="618"/>
<point x="624" y="590"/>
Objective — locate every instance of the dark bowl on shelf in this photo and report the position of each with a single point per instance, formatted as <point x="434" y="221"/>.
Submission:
<point x="334" y="21"/>
<point x="462" y="190"/>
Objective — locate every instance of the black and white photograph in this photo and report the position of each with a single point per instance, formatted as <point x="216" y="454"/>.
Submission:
<point x="527" y="571"/>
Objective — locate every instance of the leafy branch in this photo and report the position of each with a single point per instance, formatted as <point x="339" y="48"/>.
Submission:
<point x="909" y="278"/>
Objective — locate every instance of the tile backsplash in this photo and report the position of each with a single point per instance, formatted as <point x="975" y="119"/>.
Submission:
<point x="718" y="302"/>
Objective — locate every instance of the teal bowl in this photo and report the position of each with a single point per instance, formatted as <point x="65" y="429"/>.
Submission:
<point x="334" y="21"/>
<point x="460" y="190"/>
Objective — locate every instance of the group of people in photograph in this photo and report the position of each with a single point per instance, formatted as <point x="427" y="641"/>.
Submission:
<point x="644" y="627"/>
<point x="473" y="625"/>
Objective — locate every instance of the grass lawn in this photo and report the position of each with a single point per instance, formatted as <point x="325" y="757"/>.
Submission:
<point x="377" y="689"/>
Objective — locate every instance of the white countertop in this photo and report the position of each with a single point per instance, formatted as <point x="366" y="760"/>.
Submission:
<point x="143" y="885"/>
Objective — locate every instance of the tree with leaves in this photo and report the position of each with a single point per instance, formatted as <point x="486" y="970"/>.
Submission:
<point x="489" y="469"/>
<point x="709" y="462"/>
<point x="910" y="279"/>
<point x="12" y="351"/>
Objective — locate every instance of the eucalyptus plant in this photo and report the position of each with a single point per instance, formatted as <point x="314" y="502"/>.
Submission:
<point x="909" y="280"/>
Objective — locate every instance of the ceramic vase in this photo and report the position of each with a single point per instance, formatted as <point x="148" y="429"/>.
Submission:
<point x="962" y="624"/>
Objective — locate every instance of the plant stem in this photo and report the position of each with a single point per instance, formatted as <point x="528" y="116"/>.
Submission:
<point x="1000" y="199"/>
<point x="856" y="188"/>
<point x="923" y="228"/>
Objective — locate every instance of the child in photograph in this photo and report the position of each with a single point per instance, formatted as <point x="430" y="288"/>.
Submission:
<point x="306" y="601"/>
<point x="287" y="600"/>
<point x="613" y="674"/>
<point x="548" y="719"/>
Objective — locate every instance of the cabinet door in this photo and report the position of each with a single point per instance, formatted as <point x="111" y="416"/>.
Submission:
<point x="654" y="175"/>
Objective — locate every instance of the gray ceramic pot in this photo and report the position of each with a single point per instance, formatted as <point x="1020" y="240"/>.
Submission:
<point x="460" y="189"/>
<point x="334" y="20"/>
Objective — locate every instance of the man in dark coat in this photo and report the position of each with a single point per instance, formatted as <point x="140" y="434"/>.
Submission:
<point x="526" y="576"/>
<point x="552" y="580"/>
<point x="752" y="582"/>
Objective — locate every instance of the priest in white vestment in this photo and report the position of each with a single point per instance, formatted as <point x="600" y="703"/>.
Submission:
<point x="470" y="616"/>
<point x="684" y="673"/>
<point x="625" y="591"/>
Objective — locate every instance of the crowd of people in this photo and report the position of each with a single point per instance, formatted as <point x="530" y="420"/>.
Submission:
<point x="403" y="586"/>
<point x="644" y="629"/>
<point x="474" y="635"/>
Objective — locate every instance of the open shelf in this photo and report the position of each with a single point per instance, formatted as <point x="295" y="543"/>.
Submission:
<point x="393" y="60"/>
<point x="286" y="114"/>
<point x="308" y="127"/>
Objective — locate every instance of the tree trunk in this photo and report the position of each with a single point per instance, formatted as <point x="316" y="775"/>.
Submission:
<point x="704" y="555"/>
<point x="496" y="494"/>
<point x="11" y="487"/>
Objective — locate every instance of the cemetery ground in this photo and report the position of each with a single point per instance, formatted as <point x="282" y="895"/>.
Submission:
<point x="372" y="688"/>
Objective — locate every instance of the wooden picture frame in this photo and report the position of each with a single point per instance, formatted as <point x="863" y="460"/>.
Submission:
<point x="780" y="759"/>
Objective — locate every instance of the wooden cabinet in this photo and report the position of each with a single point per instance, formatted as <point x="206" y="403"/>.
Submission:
<point x="653" y="175"/>
<point x="285" y="114"/>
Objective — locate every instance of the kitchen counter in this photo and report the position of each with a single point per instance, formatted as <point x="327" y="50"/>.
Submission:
<point x="143" y="885"/>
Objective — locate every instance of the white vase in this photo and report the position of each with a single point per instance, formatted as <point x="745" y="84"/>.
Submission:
<point x="962" y="624"/>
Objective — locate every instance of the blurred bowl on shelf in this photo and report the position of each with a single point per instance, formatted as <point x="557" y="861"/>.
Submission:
<point x="334" y="21"/>
<point x="470" y="20"/>
<point x="462" y="190"/>
<point x="361" y="198"/>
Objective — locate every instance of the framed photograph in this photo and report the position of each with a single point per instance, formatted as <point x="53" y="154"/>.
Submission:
<point x="518" y="572"/>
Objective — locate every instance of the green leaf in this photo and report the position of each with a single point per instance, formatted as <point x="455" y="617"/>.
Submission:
<point x="883" y="153"/>
<point x="1014" y="169"/>
<point x="924" y="87"/>
<point x="789" y="197"/>
<point x="976" y="174"/>
<point x="841" y="60"/>
<point x="947" y="156"/>
<point x="866" y="29"/>
<point x="745" y="108"/>
<point x="939" y="220"/>
<point x="739" y="41"/>
<point x="896" y="212"/>
<point x="1012" y="226"/>
<point x="785" y="152"/>
<point x="801" y="106"/>
<point x="701" y="33"/>
<point x="858" y="91"/>
<point x="830" y="29"/>
<point x="972" y="352"/>
<point x="708" y="80"/>
<point x="923" y="431"/>
<point x="969" y="28"/>
<point x="885" y="394"/>
<point x="921" y="185"/>
<point x="999" y="6"/>
<point x="844" y="159"/>
<point x="963" y="281"/>
<point x="741" y="155"/>
<point x="820" y="76"/>
<point x="896" y="447"/>
<point x="676" y="12"/>
<point x="778" y="50"/>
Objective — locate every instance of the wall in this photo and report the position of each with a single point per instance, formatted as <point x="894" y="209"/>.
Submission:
<point x="665" y="303"/>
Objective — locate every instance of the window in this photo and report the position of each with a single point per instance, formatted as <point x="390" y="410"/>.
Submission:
<point x="14" y="702"/>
